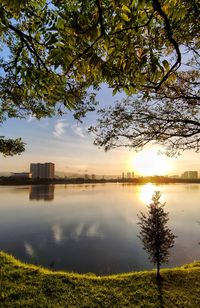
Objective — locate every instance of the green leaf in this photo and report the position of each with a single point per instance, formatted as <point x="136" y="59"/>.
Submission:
<point x="126" y="9"/>
<point x="60" y="24"/>
<point x="166" y="65"/>
<point x="119" y="26"/>
<point x="114" y="91"/>
<point x="125" y="17"/>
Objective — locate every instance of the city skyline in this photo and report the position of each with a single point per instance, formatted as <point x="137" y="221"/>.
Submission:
<point x="47" y="170"/>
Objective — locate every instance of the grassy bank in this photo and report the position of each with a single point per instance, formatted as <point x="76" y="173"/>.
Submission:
<point x="23" y="285"/>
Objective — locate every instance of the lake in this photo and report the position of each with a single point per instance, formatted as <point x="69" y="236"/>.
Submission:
<point x="93" y="228"/>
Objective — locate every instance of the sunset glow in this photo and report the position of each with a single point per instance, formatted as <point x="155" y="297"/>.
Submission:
<point x="149" y="162"/>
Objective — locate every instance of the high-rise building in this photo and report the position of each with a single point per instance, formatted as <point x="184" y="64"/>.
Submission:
<point x="87" y="176"/>
<point x="128" y="175"/>
<point x="190" y="175"/>
<point x="42" y="171"/>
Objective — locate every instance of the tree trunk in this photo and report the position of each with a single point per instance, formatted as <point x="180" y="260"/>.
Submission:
<point x="158" y="276"/>
<point x="158" y="245"/>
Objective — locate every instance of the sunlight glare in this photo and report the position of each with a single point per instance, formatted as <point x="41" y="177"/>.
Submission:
<point x="146" y="192"/>
<point x="149" y="162"/>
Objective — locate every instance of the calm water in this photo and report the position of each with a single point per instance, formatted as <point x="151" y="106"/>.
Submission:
<point x="93" y="228"/>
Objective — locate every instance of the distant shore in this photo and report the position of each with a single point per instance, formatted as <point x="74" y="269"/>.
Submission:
<point x="142" y="180"/>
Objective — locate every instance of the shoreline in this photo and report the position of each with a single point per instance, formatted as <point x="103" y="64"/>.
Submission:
<point x="25" y="285"/>
<point x="145" y="180"/>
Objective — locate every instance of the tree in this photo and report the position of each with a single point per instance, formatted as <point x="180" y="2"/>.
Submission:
<point x="171" y="117"/>
<point x="157" y="238"/>
<point x="53" y="51"/>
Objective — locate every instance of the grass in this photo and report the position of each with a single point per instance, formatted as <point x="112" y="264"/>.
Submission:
<point x="23" y="285"/>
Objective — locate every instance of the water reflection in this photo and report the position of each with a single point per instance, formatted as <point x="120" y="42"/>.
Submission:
<point x="91" y="230"/>
<point x="42" y="192"/>
<point x="29" y="249"/>
<point x="146" y="192"/>
<point x="58" y="235"/>
<point x="192" y="186"/>
<point x="94" y="228"/>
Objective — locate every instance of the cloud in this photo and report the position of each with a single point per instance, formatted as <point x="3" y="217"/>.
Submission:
<point x="29" y="249"/>
<point x="78" y="130"/>
<point x="93" y="231"/>
<point x="87" y="230"/>
<point x="59" y="129"/>
<point x="78" y="231"/>
<point x="57" y="233"/>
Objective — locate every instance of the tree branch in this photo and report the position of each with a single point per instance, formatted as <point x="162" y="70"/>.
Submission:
<point x="157" y="7"/>
<point x="134" y="27"/>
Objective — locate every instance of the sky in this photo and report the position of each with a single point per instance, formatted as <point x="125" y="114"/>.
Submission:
<point x="67" y="143"/>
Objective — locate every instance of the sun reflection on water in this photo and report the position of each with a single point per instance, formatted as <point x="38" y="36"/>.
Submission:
<point x="146" y="192"/>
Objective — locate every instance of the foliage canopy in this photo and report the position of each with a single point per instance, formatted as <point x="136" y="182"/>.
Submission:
<point x="53" y="51"/>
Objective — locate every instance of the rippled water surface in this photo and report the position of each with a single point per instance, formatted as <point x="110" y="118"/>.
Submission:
<point x="93" y="228"/>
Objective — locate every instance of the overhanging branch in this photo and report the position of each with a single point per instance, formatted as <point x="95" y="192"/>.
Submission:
<point x="176" y="65"/>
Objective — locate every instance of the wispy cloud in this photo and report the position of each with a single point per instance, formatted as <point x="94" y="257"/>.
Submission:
<point x="59" y="129"/>
<point x="57" y="233"/>
<point x="87" y="230"/>
<point x="29" y="249"/>
<point x="93" y="230"/>
<point x="78" y="231"/>
<point x="79" y="131"/>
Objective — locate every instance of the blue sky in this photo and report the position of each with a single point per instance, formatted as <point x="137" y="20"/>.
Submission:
<point x="67" y="143"/>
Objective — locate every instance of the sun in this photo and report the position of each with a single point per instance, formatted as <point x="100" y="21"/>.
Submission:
<point x="149" y="162"/>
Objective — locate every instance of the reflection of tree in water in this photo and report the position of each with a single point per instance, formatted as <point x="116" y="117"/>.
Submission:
<point x="43" y="192"/>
